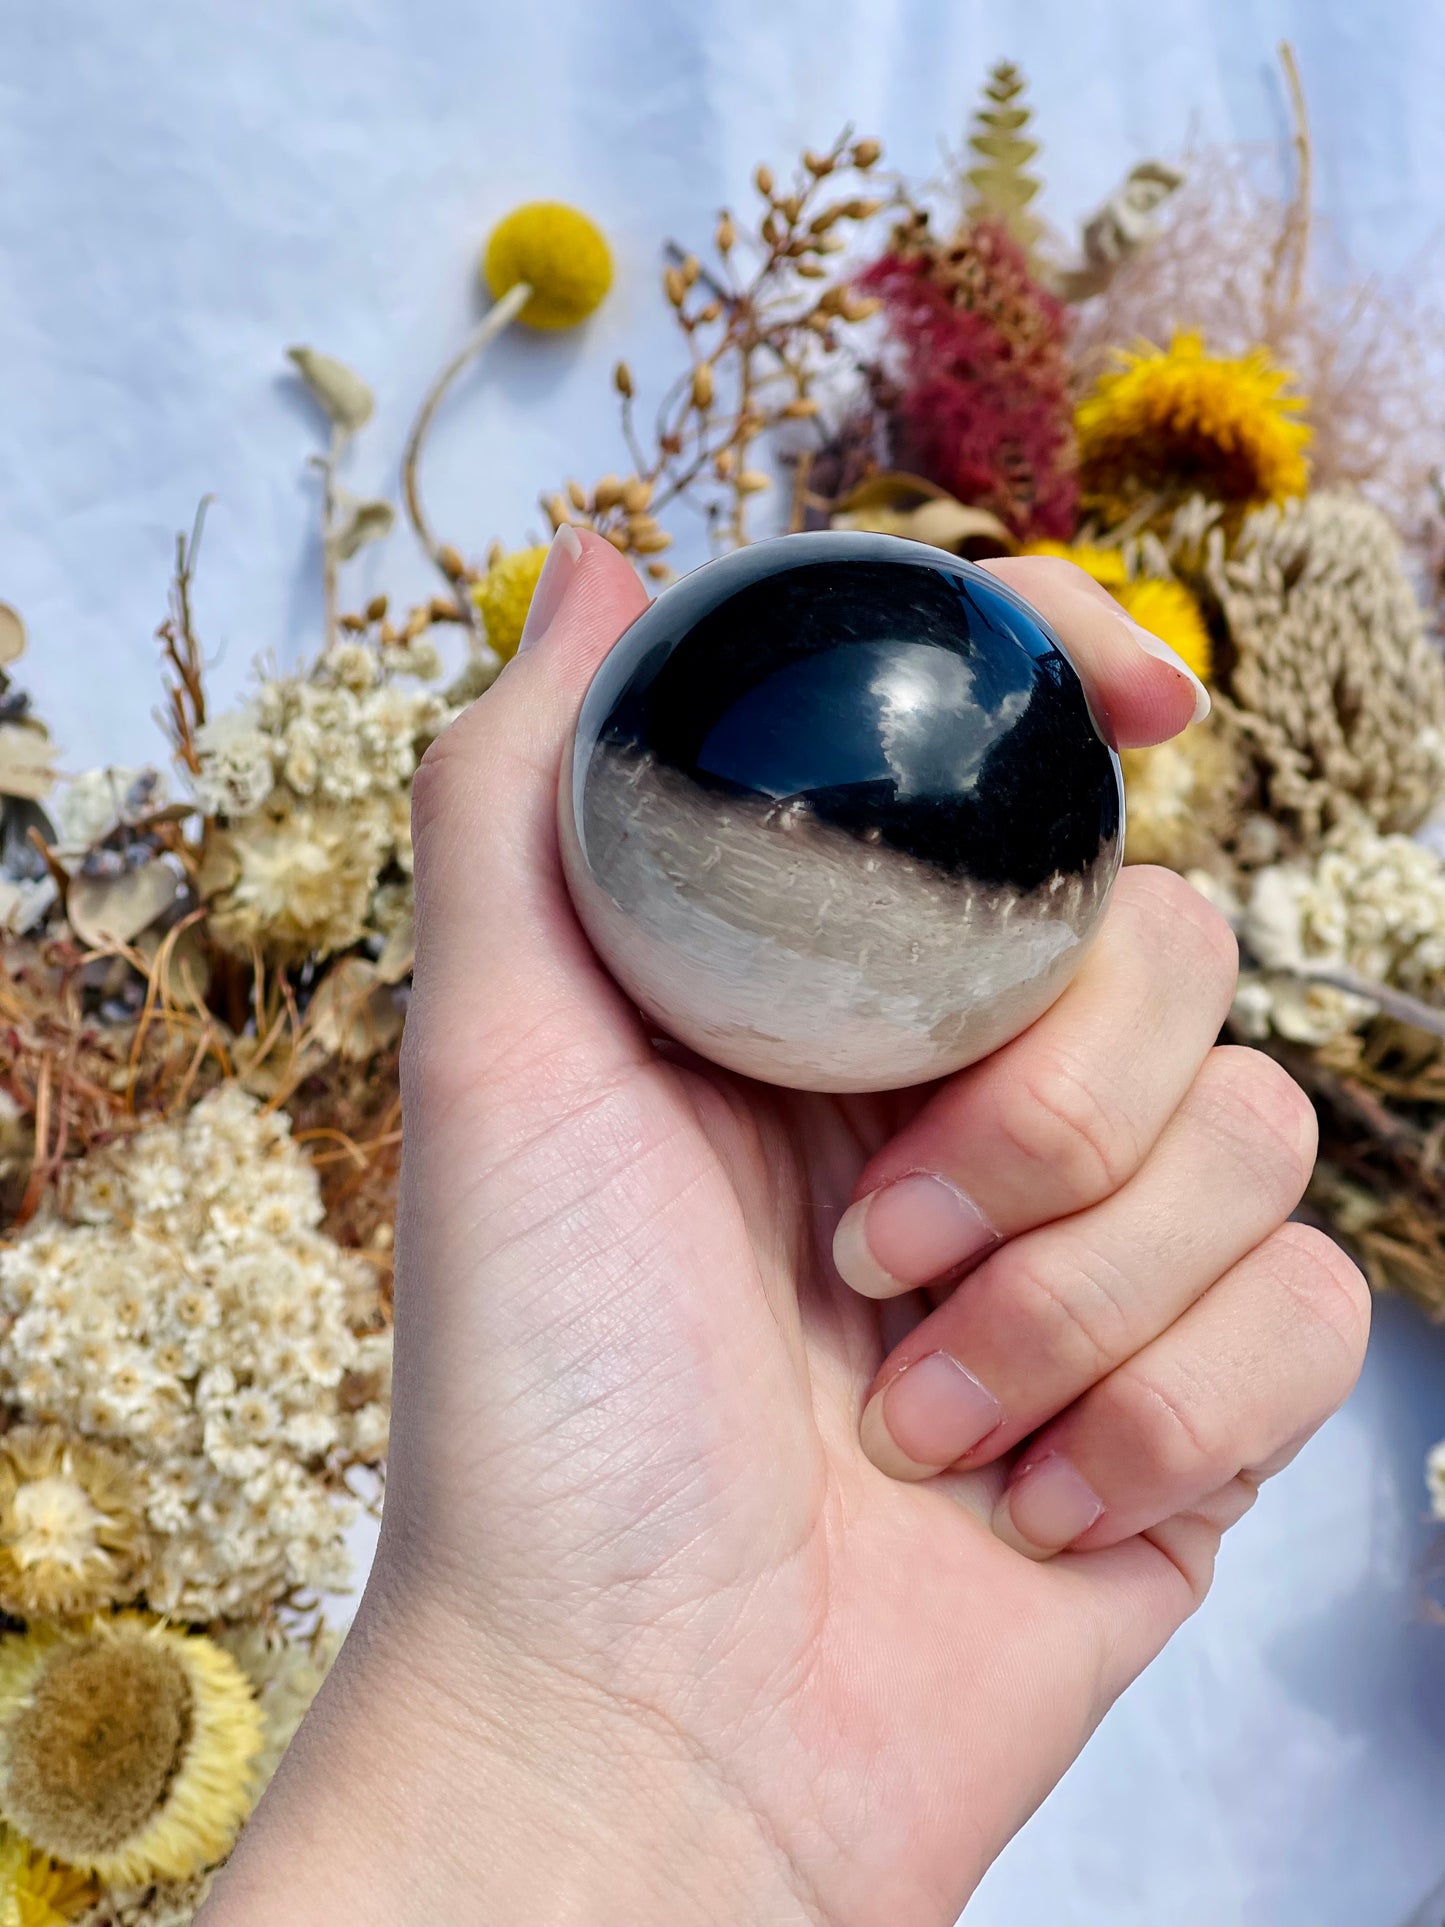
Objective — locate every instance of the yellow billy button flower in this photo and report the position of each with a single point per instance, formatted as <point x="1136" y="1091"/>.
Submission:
<point x="504" y="595"/>
<point x="126" y="1747"/>
<point x="558" y="253"/>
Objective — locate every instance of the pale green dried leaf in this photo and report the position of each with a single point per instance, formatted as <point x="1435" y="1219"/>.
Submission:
<point x="26" y="758"/>
<point x="12" y="634"/>
<point x="339" y="389"/>
<point x="360" y="521"/>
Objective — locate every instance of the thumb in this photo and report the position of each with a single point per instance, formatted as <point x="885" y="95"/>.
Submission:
<point x="497" y="942"/>
<point x="1141" y="689"/>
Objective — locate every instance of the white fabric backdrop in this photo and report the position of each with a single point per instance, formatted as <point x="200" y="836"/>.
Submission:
<point x="191" y="184"/>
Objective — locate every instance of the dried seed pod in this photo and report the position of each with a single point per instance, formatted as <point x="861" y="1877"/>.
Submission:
<point x="417" y="624"/>
<point x="726" y="233"/>
<point x="752" y="481"/>
<point x="636" y="494"/>
<point x="622" y="380"/>
<point x="620" y="540"/>
<point x="352" y="624"/>
<point x="557" y="511"/>
<point x="867" y="153"/>
<point x="818" y="164"/>
<point x="440" y="610"/>
<point x="861" y="209"/>
<point x="674" y="286"/>
<point x="702" y="385"/>
<point x="660" y="571"/>
<point x="653" y="543"/>
<point x="577" y="496"/>
<point x="790" y="207"/>
<point x="376" y="608"/>
<point x="689" y="270"/>
<point x="709" y="313"/>
<point x="607" y="494"/>
<point x="452" y="565"/>
<point x="763" y="180"/>
<point x="821" y="223"/>
<point x="799" y="409"/>
<point x="771" y="230"/>
<point x="722" y="465"/>
<point x="812" y="270"/>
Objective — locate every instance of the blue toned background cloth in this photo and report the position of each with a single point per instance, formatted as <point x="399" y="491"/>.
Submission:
<point x="189" y="185"/>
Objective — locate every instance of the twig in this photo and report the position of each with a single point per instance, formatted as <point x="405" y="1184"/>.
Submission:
<point x="1292" y="245"/>
<point x="496" y="319"/>
<point x="327" y="464"/>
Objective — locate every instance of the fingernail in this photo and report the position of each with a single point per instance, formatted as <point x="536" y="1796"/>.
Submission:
<point x="1048" y="1506"/>
<point x="552" y="585"/>
<point x="908" y="1233"/>
<point x="1156" y="647"/>
<point x="930" y="1414"/>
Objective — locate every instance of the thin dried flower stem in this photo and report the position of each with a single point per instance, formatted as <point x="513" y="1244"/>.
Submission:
<point x="185" y="693"/>
<point x="759" y="325"/>
<point x="497" y="318"/>
<point x="1291" y="248"/>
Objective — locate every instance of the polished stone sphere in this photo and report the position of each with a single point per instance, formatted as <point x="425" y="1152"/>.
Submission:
<point x="837" y="814"/>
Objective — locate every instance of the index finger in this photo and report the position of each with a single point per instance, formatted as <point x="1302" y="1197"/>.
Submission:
<point x="1060" y="1117"/>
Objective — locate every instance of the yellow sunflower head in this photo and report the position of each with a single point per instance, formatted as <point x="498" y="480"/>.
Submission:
<point x="71" y="1533"/>
<point x="34" y="1892"/>
<point x="1173" y="422"/>
<point x="126" y="1747"/>
<point x="504" y="596"/>
<point x="559" y="253"/>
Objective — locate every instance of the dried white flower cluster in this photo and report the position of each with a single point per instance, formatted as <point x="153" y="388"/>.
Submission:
<point x="179" y="1300"/>
<point x="287" y="1674"/>
<point x="312" y="784"/>
<point x="1369" y="904"/>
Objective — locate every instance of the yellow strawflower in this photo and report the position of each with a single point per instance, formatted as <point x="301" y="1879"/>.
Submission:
<point x="1169" y="611"/>
<point x="504" y="596"/>
<point x="1164" y="607"/>
<point x="34" y="1891"/>
<point x="1106" y="566"/>
<point x="559" y="253"/>
<point x="1178" y="421"/>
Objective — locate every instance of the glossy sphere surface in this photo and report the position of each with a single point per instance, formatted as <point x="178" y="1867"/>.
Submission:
<point x="837" y="814"/>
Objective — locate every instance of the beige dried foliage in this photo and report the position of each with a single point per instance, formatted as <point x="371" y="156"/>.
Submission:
<point x="1327" y="678"/>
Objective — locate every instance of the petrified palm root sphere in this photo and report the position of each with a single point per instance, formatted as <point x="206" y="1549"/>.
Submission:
<point x="837" y="814"/>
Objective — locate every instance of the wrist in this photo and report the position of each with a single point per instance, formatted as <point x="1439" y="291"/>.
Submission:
<point x="438" y="1779"/>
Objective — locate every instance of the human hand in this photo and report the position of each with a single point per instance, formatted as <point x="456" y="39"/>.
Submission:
<point x="654" y="1633"/>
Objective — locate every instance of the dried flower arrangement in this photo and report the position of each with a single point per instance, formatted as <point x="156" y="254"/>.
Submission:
<point x="203" y="997"/>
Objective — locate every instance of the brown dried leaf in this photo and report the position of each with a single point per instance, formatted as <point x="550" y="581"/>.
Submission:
<point x="894" y="503"/>
<point x="353" y="1014"/>
<point x="110" y="910"/>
